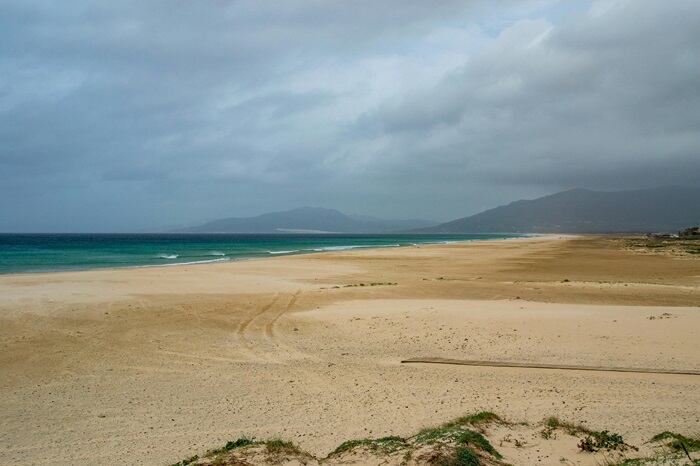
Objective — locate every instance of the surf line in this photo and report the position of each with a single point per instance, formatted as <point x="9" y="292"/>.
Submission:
<point x="466" y="362"/>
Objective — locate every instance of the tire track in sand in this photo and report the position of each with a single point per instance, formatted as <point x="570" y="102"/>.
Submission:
<point x="288" y="353"/>
<point x="245" y="324"/>
<point x="269" y="327"/>
<point x="258" y="335"/>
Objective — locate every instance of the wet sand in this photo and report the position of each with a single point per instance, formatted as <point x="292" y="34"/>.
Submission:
<point x="151" y="365"/>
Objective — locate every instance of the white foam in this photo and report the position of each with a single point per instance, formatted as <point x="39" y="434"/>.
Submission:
<point x="223" y="259"/>
<point x="354" y="246"/>
<point x="217" y="253"/>
<point x="283" y="252"/>
<point x="167" y="256"/>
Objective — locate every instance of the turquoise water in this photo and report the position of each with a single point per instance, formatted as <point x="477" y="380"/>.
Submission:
<point x="54" y="252"/>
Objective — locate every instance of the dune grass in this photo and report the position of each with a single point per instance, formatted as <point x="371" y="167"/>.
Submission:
<point x="551" y="424"/>
<point x="384" y="444"/>
<point x="457" y="443"/>
<point x="677" y="441"/>
<point x="461" y="442"/>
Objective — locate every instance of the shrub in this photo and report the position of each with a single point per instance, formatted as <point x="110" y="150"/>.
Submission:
<point x="604" y="440"/>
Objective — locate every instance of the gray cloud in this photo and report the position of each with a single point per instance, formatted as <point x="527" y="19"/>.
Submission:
<point x="124" y="115"/>
<point x="606" y="99"/>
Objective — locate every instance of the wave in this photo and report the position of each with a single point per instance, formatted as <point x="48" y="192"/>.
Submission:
<point x="354" y="246"/>
<point x="206" y="261"/>
<point x="283" y="252"/>
<point x="167" y="256"/>
<point x="216" y="253"/>
<point x="173" y="264"/>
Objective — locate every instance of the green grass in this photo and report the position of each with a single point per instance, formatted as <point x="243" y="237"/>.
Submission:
<point x="431" y="435"/>
<point x="452" y="429"/>
<point x="675" y="456"/>
<point x="481" y="417"/>
<point x="232" y="445"/>
<point x="384" y="444"/>
<point x="677" y="441"/>
<point x="462" y="456"/>
<point x="551" y="424"/>
<point x="603" y="440"/>
<point x="469" y="437"/>
<point x="465" y="457"/>
<point x="458" y="443"/>
<point x="273" y="446"/>
<point x="653" y="461"/>
<point x="456" y="432"/>
<point x="281" y="446"/>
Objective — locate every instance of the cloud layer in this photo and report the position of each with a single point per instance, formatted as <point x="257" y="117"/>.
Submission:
<point x="116" y="116"/>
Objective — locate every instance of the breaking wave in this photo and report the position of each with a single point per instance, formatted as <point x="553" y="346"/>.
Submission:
<point x="354" y="246"/>
<point x="207" y="261"/>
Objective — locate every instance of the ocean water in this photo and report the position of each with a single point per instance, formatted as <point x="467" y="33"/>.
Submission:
<point x="55" y="252"/>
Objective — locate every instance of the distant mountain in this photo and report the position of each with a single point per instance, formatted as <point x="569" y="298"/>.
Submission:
<point x="306" y="220"/>
<point x="667" y="209"/>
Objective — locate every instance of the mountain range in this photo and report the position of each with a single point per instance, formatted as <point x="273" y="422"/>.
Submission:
<point x="306" y="220"/>
<point x="666" y="209"/>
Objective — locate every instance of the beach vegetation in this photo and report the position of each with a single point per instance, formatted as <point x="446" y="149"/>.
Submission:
<point x="442" y="433"/>
<point x="232" y="445"/>
<point x="460" y="442"/>
<point x="603" y="440"/>
<point x="187" y="461"/>
<point x="463" y="456"/>
<point x="551" y="424"/>
<point x="281" y="446"/>
<point x="677" y="441"/>
<point x="676" y="451"/>
<point x="469" y="437"/>
<point x="681" y="245"/>
<point x="659" y="459"/>
<point x="458" y="432"/>
<point x="482" y="417"/>
<point x="384" y="445"/>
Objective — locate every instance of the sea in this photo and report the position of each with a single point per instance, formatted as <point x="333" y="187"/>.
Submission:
<point x="25" y="253"/>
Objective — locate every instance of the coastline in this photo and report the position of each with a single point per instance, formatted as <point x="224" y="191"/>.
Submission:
<point x="223" y="257"/>
<point x="152" y="365"/>
<point x="278" y="254"/>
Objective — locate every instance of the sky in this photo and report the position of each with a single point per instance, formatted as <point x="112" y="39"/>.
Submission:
<point x="135" y="115"/>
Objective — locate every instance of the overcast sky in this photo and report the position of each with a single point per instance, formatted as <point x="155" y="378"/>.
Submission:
<point x="132" y="114"/>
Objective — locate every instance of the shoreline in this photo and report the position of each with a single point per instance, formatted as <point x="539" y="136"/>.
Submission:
<point x="273" y="255"/>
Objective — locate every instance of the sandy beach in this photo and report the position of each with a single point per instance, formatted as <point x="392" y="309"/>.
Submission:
<point x="152" y="365"/>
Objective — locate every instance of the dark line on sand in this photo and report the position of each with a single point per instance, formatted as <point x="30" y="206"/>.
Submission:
<point x="465" y="362"/>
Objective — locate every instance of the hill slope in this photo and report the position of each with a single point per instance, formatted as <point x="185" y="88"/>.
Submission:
<point x="305" y="220"/>
<point x="584" y="211"/>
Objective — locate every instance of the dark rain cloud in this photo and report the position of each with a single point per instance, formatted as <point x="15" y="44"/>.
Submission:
<point x="128" y="115"/>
